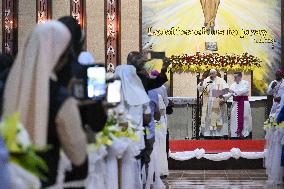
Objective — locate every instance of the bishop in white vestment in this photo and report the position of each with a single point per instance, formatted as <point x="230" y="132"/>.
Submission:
<point x="276" y="88"/>
<point x="214" y="120"/>
<point x="241" y="121"/>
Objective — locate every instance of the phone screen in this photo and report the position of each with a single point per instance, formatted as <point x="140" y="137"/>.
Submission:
<point x="158" y="55"/>
<point x="114" y="92"/>
<point x="96" y="82"/>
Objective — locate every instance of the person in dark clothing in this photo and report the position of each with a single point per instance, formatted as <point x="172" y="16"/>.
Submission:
<point x="59" y="94"/>
<point x="77" y="43"/>
<point x="68" y="72"/>
<point x="77" y="34"/>
<point x="6" y="62"/>
<point x="138" y="61"/>
<point x="93" y="115"/>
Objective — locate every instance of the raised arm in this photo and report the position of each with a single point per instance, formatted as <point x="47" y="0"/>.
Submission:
<point x="157" y="82"/>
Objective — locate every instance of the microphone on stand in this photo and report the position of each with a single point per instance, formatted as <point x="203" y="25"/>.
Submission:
<point x="206" y="87"/>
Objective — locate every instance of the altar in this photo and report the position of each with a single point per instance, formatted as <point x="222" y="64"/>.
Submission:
<point x="182" y="122"/>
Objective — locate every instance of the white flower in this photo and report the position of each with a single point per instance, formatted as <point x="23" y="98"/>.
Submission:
<point x="23" y="138"/>
<point x="199" y="153"/>
<point x="236" y="153"/>
<point x="272" y="118"/>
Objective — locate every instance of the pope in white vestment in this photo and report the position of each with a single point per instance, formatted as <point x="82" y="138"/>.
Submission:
<point x="276" y="88"/>
<point x="214" y="120"/>
<point x="241" y="121"/>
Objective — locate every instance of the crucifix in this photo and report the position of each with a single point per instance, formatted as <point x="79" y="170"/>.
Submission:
<point x="210" y="8"/>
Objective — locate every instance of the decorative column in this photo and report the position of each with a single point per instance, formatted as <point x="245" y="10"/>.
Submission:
<point x="77" y="11"/>
<point x="43" y="10"/>
<point x="112" y="34"/>
<point x="10" y="27"/>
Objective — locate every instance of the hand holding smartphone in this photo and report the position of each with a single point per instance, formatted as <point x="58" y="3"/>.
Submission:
<point x="100" y="89"/>
<point x="94" y="87"/>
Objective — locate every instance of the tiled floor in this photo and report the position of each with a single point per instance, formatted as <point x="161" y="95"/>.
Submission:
<point x="218" y="179"/>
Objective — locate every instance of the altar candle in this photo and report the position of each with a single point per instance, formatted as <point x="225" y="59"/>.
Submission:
<point x="197" y="49"/>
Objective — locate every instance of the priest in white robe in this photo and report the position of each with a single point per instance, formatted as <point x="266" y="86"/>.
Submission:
<point x="214" y="120"/>
<point x="276" y="88"/>
<point x="241" y="120"/>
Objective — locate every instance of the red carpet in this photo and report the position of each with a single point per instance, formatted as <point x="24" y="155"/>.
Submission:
<point x="217" y="146"/>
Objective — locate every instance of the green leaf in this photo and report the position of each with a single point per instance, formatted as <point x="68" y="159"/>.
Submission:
<point x="27" y="158"/>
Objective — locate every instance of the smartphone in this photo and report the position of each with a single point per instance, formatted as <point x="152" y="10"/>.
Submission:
<point x="157" y="55"/>
<point x="96" y="82"/>
<point x="114" y="92"/>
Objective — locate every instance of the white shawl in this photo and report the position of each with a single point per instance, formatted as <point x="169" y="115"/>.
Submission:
<point x="132" y="87"/>
<point x="27" y="88"/>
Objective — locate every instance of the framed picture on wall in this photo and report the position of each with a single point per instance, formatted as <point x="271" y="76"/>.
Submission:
<point x="211" y="46"/>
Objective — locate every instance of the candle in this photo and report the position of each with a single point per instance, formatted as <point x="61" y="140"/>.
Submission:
<point x="197" y="48"/>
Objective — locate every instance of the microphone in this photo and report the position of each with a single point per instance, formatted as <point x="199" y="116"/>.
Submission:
<point x="210" y="82"/>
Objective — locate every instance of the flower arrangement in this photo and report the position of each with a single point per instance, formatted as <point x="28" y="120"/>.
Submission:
<point x="203" y="62"/>
<point x="114" y="129"/>
<point x="20" y="148"/>
<point x="271" y="122"/>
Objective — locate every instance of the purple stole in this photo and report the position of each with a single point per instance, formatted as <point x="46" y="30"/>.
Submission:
<point x="240" y="110"/>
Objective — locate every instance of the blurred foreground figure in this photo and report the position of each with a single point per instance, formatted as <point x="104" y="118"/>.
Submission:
<point x="36" y="88"/>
